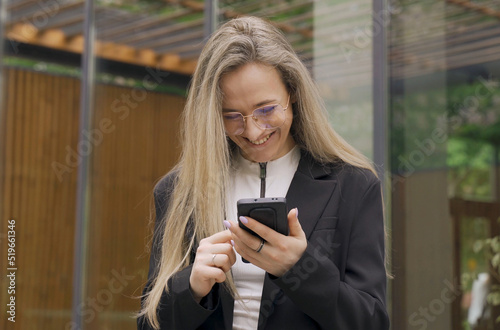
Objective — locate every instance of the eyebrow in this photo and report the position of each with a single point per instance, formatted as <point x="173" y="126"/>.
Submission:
<point x="255" y="106"/>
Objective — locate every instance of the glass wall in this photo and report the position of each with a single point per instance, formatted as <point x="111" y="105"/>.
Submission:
<point x="343" y="63"/>
<point x="444" y="97"/>
<point x="38" y="168"/>
<point x="91" y="94"/>
<point x="139" y="75"/>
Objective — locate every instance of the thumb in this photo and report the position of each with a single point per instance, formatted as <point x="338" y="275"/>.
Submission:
<point x="294" y="224"/>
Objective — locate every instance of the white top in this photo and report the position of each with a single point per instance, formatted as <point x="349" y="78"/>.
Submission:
<point x="245" y="183"/>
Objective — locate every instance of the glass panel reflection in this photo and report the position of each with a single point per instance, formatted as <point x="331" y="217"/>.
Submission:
<point x="444" y="150"/>
<point x="144" y="54"/>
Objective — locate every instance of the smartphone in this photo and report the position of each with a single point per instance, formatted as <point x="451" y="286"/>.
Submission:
<point x="270" y="211"/>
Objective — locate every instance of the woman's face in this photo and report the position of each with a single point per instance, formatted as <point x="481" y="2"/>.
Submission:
<point x="253" y="86"/>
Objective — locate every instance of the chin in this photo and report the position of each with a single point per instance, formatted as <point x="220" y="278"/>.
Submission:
<point x="260" y="156"/>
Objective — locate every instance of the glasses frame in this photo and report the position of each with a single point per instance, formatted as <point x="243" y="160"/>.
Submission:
<point x="255" y="119"/>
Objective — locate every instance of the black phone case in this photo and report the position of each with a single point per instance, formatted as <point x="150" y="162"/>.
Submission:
<point x="270" y="211"/>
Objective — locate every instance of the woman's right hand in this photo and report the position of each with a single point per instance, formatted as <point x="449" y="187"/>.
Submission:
<point x="208" y="269"/>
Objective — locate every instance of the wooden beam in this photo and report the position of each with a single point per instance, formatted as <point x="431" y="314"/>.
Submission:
<point x="23" y="32"/>
<point x="53" y="38"/>
<point x="75" y="44"/>
<point x="118" y="52"/>
<point x="169" y="62"/>
<point x="146" y="57"/>
<point x="187" y="66"/>
<point x="488" y="11"/>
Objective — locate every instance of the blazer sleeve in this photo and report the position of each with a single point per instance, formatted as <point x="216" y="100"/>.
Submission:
<point x="356" y="301"/>
<point x="177" y="308"/>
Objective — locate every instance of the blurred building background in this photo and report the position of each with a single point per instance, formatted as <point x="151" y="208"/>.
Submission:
<point x="90" y="98"/>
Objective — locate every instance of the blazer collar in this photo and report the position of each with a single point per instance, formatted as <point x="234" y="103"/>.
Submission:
<point x="311" y="168"/>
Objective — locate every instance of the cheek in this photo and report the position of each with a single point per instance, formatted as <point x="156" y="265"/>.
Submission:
<point x="286" y="128"/>
<point x="235" y="139"/>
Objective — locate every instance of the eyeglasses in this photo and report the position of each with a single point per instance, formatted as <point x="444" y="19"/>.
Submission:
<point x="267" y="117"/>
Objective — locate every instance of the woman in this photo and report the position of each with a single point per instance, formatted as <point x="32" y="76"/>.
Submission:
<point x="255" y="125"/>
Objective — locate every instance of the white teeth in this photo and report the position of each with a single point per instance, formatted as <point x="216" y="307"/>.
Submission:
<point x="261" y="140"/>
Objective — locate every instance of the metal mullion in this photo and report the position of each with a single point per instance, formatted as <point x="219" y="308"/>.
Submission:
<point x="83" y="180"/>
<point x="211" y="17"/>
<point x="380" y="156"/>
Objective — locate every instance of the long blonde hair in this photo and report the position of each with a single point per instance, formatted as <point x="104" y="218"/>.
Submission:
<point x="203" y="170"/>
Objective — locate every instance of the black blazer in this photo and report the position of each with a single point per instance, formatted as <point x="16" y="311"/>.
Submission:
<point x="339" y="282"/>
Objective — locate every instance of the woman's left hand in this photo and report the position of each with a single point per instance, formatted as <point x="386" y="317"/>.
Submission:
<point x="279" y="252"/>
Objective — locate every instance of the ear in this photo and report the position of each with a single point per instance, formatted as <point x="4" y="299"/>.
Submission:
<point x="293" y="98"/>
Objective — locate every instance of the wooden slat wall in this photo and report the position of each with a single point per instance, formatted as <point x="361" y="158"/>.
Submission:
<point x="141" y="148"/>
<point x="39" y="126"/>
<point x="41" y="118"/>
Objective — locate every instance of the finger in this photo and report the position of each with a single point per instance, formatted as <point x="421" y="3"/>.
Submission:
<point x="247" y="252"/>
<point x="294" y="224"/>
<point x="232" y="255"/>
<point x="268" y="234"/>
<point x="214" y="273"/>
<point x="220" y="237"/>
<point x="220" y="261"/>
<point x="228" y="250"/>
<point x="221" y="248"/>
<point x="245" y="237"/>
<point x="206" y="248"/>
<point x="223" y="251"/>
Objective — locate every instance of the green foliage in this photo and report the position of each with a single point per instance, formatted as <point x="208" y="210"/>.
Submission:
<point x="470" y="115"/>
<point x="491" y="246"/>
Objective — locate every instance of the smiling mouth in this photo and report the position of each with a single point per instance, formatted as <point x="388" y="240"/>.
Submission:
<point x="261" y="141"/>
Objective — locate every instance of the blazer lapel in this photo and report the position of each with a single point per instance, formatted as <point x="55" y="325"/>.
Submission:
<point x="309" y="192"/>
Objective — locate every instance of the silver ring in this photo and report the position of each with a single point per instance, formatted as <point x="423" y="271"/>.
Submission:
<point x="261" y="245"/>
<point x="213" y="260"/>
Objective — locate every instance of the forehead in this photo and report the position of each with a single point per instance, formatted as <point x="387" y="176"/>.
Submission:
<point x="250" y="84"/>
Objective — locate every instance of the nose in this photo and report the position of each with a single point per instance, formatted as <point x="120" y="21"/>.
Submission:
<point x="252" y="130"/>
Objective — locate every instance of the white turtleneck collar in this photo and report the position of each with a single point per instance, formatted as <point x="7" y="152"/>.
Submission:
<point x="273" y="167"/>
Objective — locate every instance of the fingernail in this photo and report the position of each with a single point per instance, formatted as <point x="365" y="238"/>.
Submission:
<point x="227" y="224"/>
<point x="244" y="220"/>
<point x="232" y="242"/>
<point x="297" y="212"/>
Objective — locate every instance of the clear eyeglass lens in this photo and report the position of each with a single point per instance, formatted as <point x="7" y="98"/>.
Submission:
<point x="234" y="122"/>
<point x="270" y="116"/>
<point x="267" y="117"/>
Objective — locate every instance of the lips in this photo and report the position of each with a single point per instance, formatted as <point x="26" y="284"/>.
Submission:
<point x="261" y="141"/>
